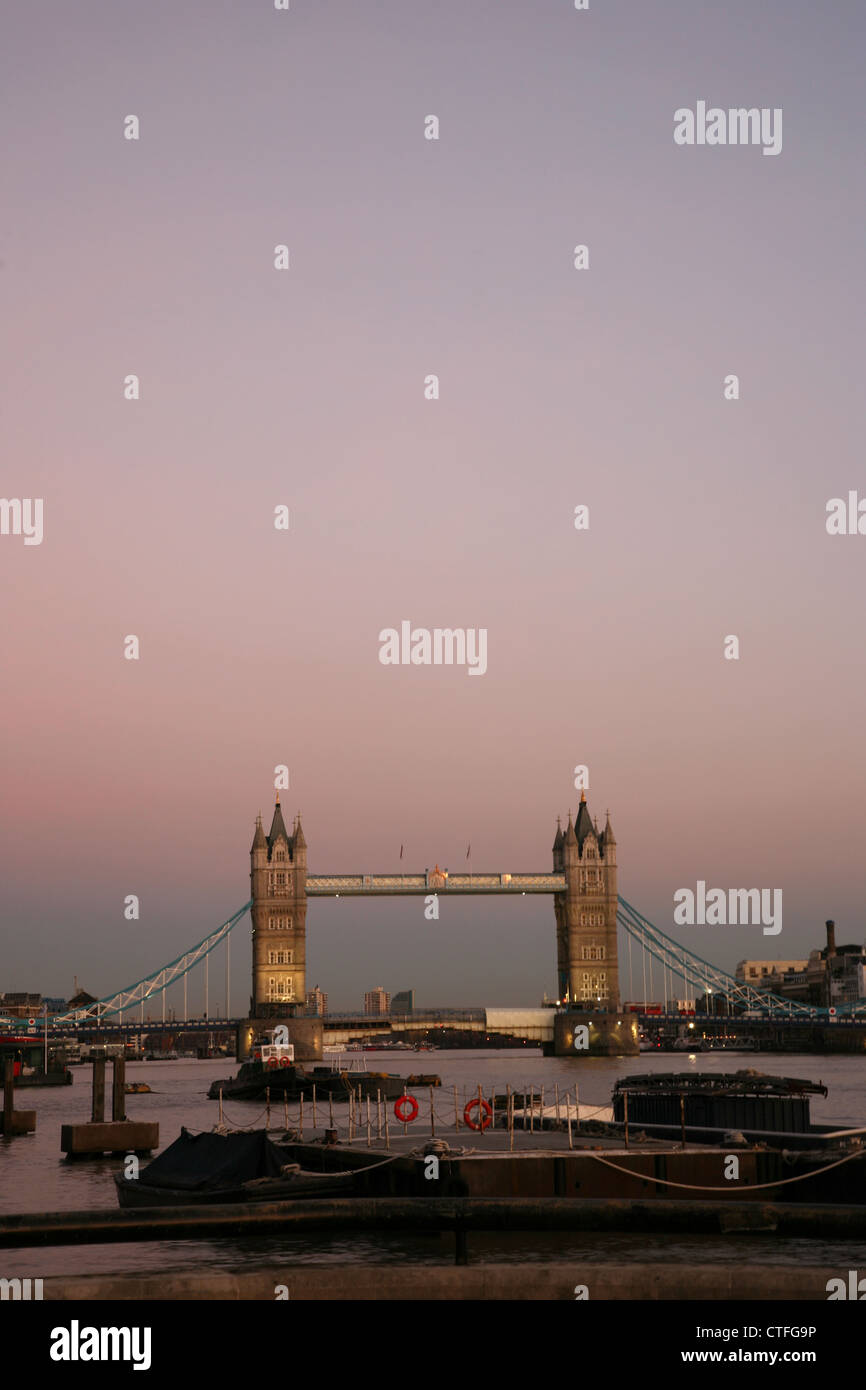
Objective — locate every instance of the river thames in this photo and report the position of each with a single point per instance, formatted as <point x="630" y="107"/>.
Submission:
<point x="36" y="1177"/>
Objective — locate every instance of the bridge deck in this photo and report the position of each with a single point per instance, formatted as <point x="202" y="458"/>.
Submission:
<point x="373" y="885"/>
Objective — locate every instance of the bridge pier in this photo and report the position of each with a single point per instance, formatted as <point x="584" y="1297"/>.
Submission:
<point x="305" y="1035"/>
<point x="607" y="1035"/>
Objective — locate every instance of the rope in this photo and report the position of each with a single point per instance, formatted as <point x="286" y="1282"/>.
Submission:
<point x="751" y="1187"/>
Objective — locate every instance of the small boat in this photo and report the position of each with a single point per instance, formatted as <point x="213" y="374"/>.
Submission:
<point x="202" y="1169"/>
<point x="273" y="1070"/>
<point x="137" y="1088"/>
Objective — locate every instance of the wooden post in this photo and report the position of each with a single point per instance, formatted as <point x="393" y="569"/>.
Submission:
<point x="118" y="1089"/>
<point x="9" y="1092"/>
<point x="556" y="1095"/>
<point x="625" y="1115"/>
<point x="97" y="1109"/>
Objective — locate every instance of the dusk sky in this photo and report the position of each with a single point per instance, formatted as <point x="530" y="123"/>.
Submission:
<point x="305" y="387"/>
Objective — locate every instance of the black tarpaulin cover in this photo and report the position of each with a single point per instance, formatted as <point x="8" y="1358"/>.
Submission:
<point x="202" y="1162"/>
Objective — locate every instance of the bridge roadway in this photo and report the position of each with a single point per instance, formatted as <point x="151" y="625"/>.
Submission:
<point x="534" y="1025"/>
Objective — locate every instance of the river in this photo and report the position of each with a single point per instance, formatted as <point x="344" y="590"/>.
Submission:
<point x="34" y="1176"/>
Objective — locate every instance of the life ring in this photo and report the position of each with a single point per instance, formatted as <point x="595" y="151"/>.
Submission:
<point x="399" y="1107"/>
<point x="284" y="1062"/>
<point x="272" y="1064"/>
<point x="484" y="1107"/>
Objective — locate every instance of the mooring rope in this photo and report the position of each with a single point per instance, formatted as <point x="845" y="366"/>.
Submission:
<point x="750" y="1187"/>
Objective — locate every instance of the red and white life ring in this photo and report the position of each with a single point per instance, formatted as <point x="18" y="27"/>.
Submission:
<point x="399" y="1107"/>
<point x="284" y="1062"/>
<point x="272" y="1064"/>
<point x="484" y="1108"/>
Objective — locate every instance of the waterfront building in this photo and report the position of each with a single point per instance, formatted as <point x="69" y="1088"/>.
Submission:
<point x="377" y="1001"/>
<point x="317" y="1002"/>
<point x="403" y="1002"/>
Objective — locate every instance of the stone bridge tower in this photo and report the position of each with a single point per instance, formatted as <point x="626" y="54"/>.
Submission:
<point x="278" y="877"/>
<point x="587" y="972"/>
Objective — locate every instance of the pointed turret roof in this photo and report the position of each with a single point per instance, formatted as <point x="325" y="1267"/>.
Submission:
<point x="278" y="826"/>
<point x="609" y="838"/>
<point x="570" y="837"/>
<point x="259" y="841"/>
<point x="560" y="838"/>
<point x="299" y="840"/>
<point x="583" y="826"/>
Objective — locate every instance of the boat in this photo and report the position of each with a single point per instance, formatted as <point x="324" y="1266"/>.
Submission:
<point x="26" y="1052"/>
<point x="202" y="1169"/>
<point x="273" y="1071"/>
<point x="137" y="1088"/>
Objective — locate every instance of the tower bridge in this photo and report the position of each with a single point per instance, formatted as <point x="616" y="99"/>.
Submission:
<point x="583" y="884"/>
<point x="588" y="911"/>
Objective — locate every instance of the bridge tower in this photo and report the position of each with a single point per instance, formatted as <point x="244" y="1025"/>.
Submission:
<point x="278" y="878"/>
<point x="586" y="957"/>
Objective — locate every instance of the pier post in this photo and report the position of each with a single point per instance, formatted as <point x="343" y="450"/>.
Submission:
<point x="97" y="1105"/>
<point x="14" y="1121"/>
<point x="118" y="1089"/>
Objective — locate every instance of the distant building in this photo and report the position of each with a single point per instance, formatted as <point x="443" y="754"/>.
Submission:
<point x="377" y="1001"/>
<point x="784" y="977"/>
<point x="317" y="1002"/>
<point x="20" y="1005"/>
<point x="404" y="1002"/>
<point x="831" y="976"/>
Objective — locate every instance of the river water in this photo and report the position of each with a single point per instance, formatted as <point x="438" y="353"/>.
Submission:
<point x="34" y="1176"/>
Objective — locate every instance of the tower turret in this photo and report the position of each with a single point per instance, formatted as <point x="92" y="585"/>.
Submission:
<point x="279" y="911"/>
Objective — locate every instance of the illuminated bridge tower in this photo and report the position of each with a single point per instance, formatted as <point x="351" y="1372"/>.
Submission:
<point x="278" y="878"/>
<point x="586" y="959"/>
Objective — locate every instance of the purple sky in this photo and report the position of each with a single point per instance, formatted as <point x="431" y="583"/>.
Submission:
<point x="558" y="387"/>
